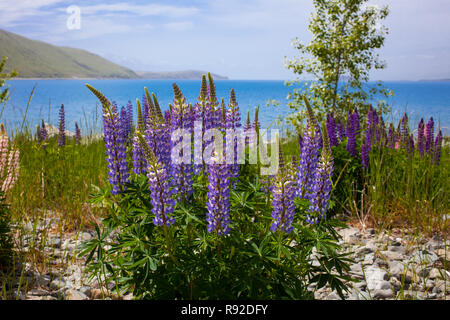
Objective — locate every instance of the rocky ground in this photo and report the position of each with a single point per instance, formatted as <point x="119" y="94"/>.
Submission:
<point x="390" y="266"/>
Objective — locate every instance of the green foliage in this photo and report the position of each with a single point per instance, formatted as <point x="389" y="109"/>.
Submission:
<point x="4" y="93"/>
<point x="407" y="190"/>
<point x="61" y="178"/>
<point x="185" y="262"/>
<point x="339" y="57"/>
<point x="351" y="180"/>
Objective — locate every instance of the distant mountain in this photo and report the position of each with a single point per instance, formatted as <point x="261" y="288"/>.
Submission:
<point x="178" y="75"/>
<point x="434" y="80"/>
<point x="37" y="59"/>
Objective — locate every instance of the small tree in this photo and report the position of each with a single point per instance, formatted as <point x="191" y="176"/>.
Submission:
<point x="4" y="92"/>
<point x="339" y="57"/>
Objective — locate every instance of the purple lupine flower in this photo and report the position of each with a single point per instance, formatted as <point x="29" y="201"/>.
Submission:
<point x="331" y="128"/>
<point x="139" y="160"/>
<point x="372" y="128"/>
<point x="201" y="112"/>
<point x="404" y="131"/>
<point x="340" y="130"/>
<point x="145" y="111"/>
<point x="391" y="137"/>
<point x="114" y="144"/>
<point x="300" y="140"/>
<point x="351" y="135"/>
<point x="322" y="186"/>
<point x="62" y="127"/>
<point x="44" y="133"/>
<point x="420" y="137"/>
<point x="115" y="149"/>
<point x="218" y="204"/>
<point x="77" y="134"/>
<point x="130" y="117"/>
<point x="161" y="194"/>
<point x="161" y="190"/>
<point x="365" y="149"/>
<point x="437" y="148"/>
<point x="283" y="194"/>
<point x="124" y="125"/>
<point x="182" y="173"/>
<point x="309" y="156"/>
<point x="411" y="144"/>
<point x="355" y="122"/>
<point x="382" y="133"/>
<point x="429" y="136"/>
<point x="233" y="122"/>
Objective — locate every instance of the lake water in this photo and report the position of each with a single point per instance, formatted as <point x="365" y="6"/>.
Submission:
<point x="420" y="99"/>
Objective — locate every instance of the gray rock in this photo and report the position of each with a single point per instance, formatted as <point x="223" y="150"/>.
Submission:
<point x="84" y="236"/>
<point x="424" y="257"/>
<point x="356" y="270"/>
<point x="429" y="284"/>
<point x="376" y="278"/>
<point x="396" y="269"/>
<point x="72" y="294"/>
<point x="392" y="255"/>
<point x="369" y="259"/>
<point x="333" y="296"/>
<point x="85" y="290"/>
<point x="54" y="242"/>
<point x="361" y="285"/>
<point x="399" y="249"/>
<point x="362" y="295"/>
<point x="435" y="273"/>
<point x="37" y="292"/>
<point x="383" y="294"/>
<point x="57" y="284"/>
<point x="350" y="235"/>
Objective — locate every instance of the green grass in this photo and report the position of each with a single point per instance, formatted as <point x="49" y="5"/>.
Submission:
<point x="57" y="179"/>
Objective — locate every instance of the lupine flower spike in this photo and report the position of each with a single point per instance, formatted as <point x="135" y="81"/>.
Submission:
<point x="429" y="136"/>
<point x="233" y="122"/>
<point x="420" y="138"/>
<point x="43" y="132"/>
<point x="114" y="143"/>
<point x="218" y="204"/>
<point x="322" y="185"/>
<point x="182" y="173"/>
<point x="77" y="134"/>
<point x="62" y="127"/>
<point x="161" y="192"/>
<point x="309" y="155"/>
<point x="350" y="132"/>
<point x="437" y="148"/>
<point x="139" y="161"/>
<point x="283" y="193"/>
<point x="9" y="162"/>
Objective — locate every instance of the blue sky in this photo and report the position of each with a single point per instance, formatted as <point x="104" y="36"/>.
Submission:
<point x="245" y="39"/>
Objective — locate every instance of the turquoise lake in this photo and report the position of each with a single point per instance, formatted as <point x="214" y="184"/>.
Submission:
<point x="419" y="99"/>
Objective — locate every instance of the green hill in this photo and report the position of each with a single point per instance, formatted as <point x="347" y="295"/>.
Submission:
<point x="37" y="59"/>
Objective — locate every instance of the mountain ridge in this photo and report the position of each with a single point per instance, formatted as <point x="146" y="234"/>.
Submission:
<point x="35" y="59"/>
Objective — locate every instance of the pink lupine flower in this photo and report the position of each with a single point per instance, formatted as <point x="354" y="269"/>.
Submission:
<point x="9" y="162"/>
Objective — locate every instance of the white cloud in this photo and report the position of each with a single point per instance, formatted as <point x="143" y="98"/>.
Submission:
<point x="10" y="14"/>
<point x="141" y="10"/>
